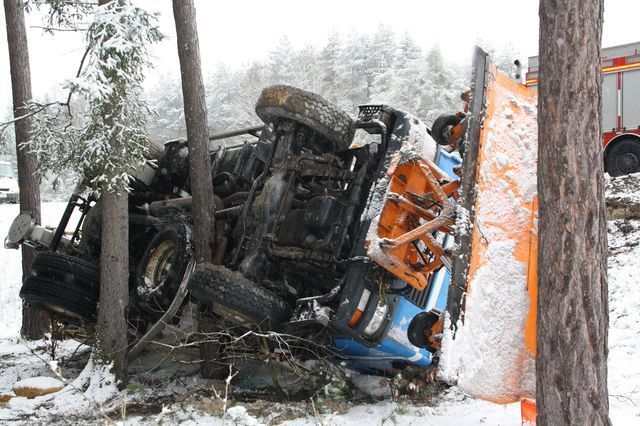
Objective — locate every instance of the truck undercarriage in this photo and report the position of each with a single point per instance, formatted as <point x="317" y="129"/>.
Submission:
<point x="295" y="201"/>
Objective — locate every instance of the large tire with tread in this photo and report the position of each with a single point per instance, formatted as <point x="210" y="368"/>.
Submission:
<point x="67" y="300"/>
<point x="69" y="269"/>
<point x="234" y="297"/>
<point x="309" y="109"/>
<point x="65" y="285"/>
<point x="623" y="157"/>
<point x="161" y="268"/>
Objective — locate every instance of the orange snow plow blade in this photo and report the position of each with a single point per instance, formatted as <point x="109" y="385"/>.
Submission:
<point x="489" y="351"/>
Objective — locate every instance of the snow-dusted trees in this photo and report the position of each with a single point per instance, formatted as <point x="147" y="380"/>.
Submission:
<point x="280" y="61"/>
<point x="354" y="75"/>
<point x="112" y="74"/>
<point x="33" y="326"/>
<point x="349" y="70"/>
<point x="115" y="134"/>
<point x="104" y="142"/>
<point x="328" y="63"/>
<point x="572" y="324"/>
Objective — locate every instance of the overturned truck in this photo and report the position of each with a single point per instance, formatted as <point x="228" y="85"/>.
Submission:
<point x="307" y="244"/>
<point x="338" y="232"/>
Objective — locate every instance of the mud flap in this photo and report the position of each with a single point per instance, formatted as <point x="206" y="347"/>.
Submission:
<point x="489" y="349"/>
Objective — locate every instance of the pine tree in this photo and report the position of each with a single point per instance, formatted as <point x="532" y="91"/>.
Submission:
<point x="354" y="76"/>
<point x="104" y="145"/>
<point x="573" y="314"/>
<point x="329" y="60"/>
<point x="281" y="62"/>
<point x="33" y="322"/>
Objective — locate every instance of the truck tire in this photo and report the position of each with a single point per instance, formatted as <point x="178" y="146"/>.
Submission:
<point x="309" y="109"/>
<point x="68" y="300"/>
<point x="237" y="299"/>
<point x="69" y="269"/>
<point x="417" y="327"/>
<point x="161" y="268"/>
<point x="623" y="157"/>
<point x="440" y="128"/>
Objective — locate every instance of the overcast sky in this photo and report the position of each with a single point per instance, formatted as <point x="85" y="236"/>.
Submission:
<point x="240" y="31"/>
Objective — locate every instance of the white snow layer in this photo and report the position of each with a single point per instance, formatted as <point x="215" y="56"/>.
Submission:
<point x="488" y="358"/>
<point x="453" y="409"/>
<point x="40" y="382"/>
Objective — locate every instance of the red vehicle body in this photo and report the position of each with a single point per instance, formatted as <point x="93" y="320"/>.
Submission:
<point x="620" y="106"/>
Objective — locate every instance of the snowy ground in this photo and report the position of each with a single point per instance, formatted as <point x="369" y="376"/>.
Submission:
<point x="193" y="401"/>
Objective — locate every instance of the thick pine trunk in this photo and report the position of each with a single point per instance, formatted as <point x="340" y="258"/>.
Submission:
<point x="33" y="321"/>
<point x="195" y="112"/>
<point x="111" y="345"/>
<point x="571" y="361"/>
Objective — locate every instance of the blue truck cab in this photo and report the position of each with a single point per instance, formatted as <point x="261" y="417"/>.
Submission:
<point x="395" y="349"/>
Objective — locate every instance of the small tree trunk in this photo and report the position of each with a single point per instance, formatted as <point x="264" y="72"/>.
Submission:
<point x="33" y="321"/>
<point x="195" y="112"/>
<point x="571" y="361"/>
<point x="111" y="330"/>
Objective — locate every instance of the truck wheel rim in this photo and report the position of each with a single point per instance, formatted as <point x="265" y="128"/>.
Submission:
<point x="159" y="264"/>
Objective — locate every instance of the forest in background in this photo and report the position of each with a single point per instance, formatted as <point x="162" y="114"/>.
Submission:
<point x="349" y="70"/>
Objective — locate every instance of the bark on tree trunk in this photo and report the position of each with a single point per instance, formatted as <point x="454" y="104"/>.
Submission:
<point x="571" y="361"/>
<point x="111" y="329"/>
<point x="33" y="321"/>
<point x="195" y="112"/>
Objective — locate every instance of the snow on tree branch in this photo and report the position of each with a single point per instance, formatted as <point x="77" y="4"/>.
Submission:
<point x="108" y="138"/>
<point x="62" y="15"/>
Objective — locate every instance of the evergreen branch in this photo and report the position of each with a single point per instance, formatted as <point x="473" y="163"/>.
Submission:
<point x="41" y="108"/>
<point x="51" y="29"/>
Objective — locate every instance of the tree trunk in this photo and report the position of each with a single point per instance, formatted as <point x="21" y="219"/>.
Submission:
<point x="33" y="321"/>
<point x="571" y="360"/>
<point x="111" y="330"/>
<point x="195" y="112"/>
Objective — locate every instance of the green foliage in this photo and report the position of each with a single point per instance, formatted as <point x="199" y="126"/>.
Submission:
<point x="63" y="13"/>
<point x="137" y="388"/>
<point x="108" y="138"/>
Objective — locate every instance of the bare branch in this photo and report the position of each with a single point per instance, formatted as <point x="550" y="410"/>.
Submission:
<point x="30" y="113"/>
<point x="51" y="29"/>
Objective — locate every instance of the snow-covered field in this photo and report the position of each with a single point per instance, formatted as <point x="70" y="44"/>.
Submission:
<point x="20" y="360"/>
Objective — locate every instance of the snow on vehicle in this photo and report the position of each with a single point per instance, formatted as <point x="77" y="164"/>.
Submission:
<point x="620" y="106"/>
<point x="9" y="190"/>
<point x="488" y="349"/>
<point x="307" y="241"/>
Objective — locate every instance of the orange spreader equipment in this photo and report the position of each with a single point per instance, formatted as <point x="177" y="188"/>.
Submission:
<point x="489" y="351"/>
<point x="417" y="207"/>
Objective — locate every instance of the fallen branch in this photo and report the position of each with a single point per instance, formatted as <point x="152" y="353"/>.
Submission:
<point x="166" y="317"/>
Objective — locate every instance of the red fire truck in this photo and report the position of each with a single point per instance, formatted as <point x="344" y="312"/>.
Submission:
<point x="620" y="106"/>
